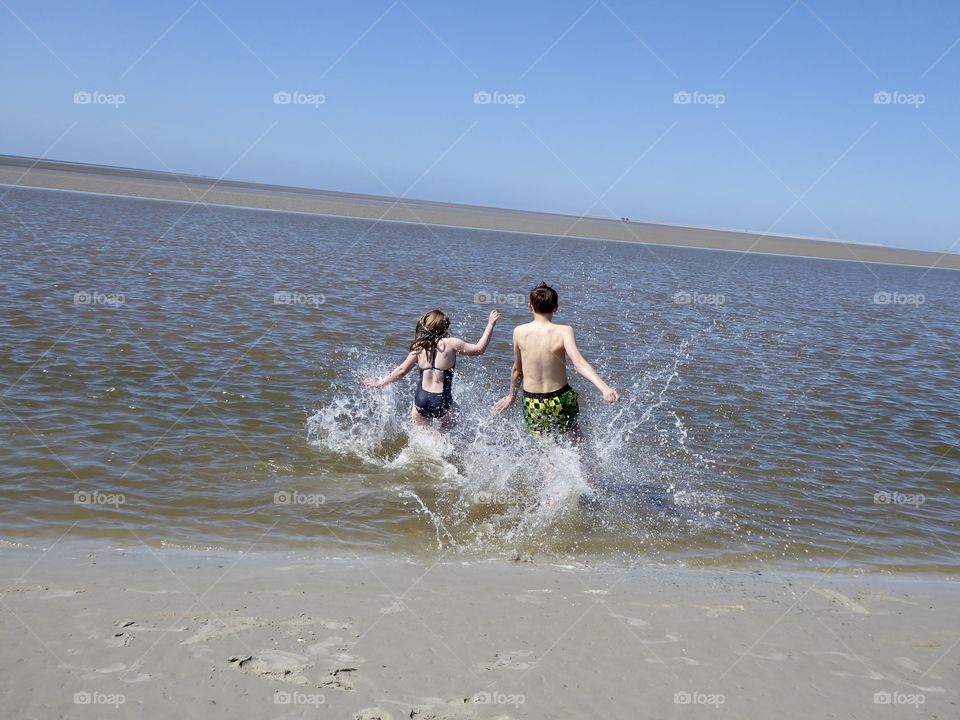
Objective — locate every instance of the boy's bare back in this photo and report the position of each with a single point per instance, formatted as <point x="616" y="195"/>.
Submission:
<point x="541" y="347"/>
<point x="540" y="352"/>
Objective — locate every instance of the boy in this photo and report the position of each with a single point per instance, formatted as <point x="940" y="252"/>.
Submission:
<point x="540" y="351"/>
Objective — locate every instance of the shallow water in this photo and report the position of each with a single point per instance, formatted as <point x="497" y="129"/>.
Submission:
<point x="177" y="402"/>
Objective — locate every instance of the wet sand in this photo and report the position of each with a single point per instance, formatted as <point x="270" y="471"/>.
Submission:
<point x="288" y="635"/>
<point x="29" y="172"/>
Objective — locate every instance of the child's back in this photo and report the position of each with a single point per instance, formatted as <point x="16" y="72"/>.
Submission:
<point x="541" y="348"/>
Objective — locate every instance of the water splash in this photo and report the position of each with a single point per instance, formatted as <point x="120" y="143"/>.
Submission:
<point x="488" y="486"/>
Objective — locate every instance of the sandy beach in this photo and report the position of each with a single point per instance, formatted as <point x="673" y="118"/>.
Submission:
<point x="95" y="633"/>
<point x="30" y="172"/>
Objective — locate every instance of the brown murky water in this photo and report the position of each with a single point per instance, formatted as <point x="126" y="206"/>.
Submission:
<point x="190" y="376"/>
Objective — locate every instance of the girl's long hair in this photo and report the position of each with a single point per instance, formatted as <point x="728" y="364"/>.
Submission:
<point x="432" y="327"/>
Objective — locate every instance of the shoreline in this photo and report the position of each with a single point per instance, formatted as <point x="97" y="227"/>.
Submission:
<point x="124" y="182"/>
<point x="758" y="564"/>
<point x="233" y="635"/>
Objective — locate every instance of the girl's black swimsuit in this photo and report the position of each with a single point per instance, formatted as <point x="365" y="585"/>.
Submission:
<point x="431" y="404"/>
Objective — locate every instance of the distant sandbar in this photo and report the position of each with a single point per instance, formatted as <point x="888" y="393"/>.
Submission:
<point x="30" y="172"/>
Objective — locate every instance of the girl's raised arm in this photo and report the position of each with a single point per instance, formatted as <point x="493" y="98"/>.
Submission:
<point x="398" y="372"/>
<point x="480" y="346"/>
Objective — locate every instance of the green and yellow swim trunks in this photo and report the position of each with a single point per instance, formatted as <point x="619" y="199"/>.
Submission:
<point x="553" y="412"/>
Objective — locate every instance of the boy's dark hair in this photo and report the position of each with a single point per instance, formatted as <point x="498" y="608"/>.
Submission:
<point x="544" y="299"/>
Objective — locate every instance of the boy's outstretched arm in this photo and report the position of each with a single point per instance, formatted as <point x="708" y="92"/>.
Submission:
<point x="516" y="378"/>
<point x="480" y="347"/>
<point x="584" y="368"/>
<point x="398" y="372"/>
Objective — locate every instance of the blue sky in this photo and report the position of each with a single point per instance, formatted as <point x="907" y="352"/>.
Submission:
<point x="782" y="132"/>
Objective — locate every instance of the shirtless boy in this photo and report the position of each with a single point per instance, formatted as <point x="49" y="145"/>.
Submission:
<point x="540" y="352"/>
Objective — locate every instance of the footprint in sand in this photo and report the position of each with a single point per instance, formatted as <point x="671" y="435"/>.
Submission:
<point x="275" y="664"/>
<point x="373" y="713"/>
<point x="508" y="660"/>
<point x="289" y="667"/>
<point x="120" y="639"/>
<point x="123" y="635"/>
<point x="340" y="678"/>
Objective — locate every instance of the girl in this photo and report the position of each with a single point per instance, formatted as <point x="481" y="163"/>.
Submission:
<point x="434" y="353"/>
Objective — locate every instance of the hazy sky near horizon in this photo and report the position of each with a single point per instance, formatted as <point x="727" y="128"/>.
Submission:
<point x="809" y="117"/>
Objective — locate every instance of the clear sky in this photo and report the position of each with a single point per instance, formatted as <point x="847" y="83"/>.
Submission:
<point x="781" y="129"/>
